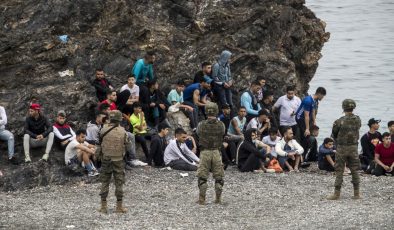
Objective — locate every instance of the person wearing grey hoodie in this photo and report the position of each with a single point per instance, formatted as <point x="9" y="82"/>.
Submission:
<point x="221" y="74"/>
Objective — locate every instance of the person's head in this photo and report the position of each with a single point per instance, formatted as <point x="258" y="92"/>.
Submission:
<point x="80" y="135"/>
<point x="386" y="138"/>
<point x="263" y="115"/>
<point x="131" y="80"/>
<point x="180" y="86"/>
<point x="100" y="118"/>
<point x="226" y="109"/>
<point x="115" y="116"/>
<point x="206" y="82"/>
<point x="314" y="130"/>
<point x="211" y="109"/>
<point x="163" y="129"/>
<point x="111" y="95"/>
<point x="153" y="84"/>
<point x="290" y="92"/>
<point x="255" y="87"/>
<point x="137" y="108"/>
<point x="390" y="126"/>
<point x="99" y="73"/>
<point x="320" y="93"/>
<point x="261" y="80"/>
<point x="348" y="105"/>
<point x="34" y="110"/>
<point x="273" y="132"/>
<point x="61" y="117"/>
<point x="225" y="57"/>
<point x="250" y="135"/>
<point x="206" y="68"/>
<point x="104" y="108"/>
<point x="268" y="97"/>
<point x="150" y="57"/>
<point x="373" y="124"/>
<point x="242" y="112"/>
<point x="180" y="135"/>
<point x="288" y="135"/>
<point x="328" y="143"/>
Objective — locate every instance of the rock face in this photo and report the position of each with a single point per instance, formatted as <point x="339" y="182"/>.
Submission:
<point x="280" y="39"/>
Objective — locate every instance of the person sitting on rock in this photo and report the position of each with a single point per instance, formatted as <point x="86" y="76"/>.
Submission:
<point x="237" y="125"/>
<point x="368" y="142"/>
<point x="192" y="97"/>
<point x="176" y="95"/>
<point x="79" y="151"/>
<point x="260" y="94"/>
<point x="271" y="140"/>
<point x="225" y="116"/>
<point x="6" y="135"/>
<point x="221" y="73"/>
<point x="261" y="123"/>
<point x="64" y="134"/>
<point x="94" y="127"/>
<point x="154" y="104"/>
<point x="38" y="132"/>
<point x="289" y="151"/>
<point x="158" y="145"/>
<point x="249" y="101"/>
<point x="132" y="88"/>
<point x="103" y="108"/>
<point x="111" y="100"/>
<point x="249" y="157"/>
<point x="137" y="120"/>
<point x="206" y="70"/>
<point x="178" y="156"/>
<point x="384" y="156"/>
<point x="327" y="152"/>
<point x="102" y="85"/>
<point x="390" y="126"/>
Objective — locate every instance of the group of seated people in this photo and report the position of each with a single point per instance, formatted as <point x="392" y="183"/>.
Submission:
<point x="261" y="135"/>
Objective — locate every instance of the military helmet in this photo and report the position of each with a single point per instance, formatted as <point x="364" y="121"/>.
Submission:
<point x="115" y="116"/>
<point x="211" y="109"/>
<point x="348" y="104"/>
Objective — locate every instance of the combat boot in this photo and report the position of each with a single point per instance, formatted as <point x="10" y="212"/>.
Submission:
<point x="104" y="207"/>
<point x="120" y="208"/>
<point x="218" y="199"/>
<point x="335" y="196"/>
<point x="356" y="194"/>
<point x="201" y="199"/>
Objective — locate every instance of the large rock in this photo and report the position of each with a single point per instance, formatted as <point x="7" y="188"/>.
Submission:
<point x="279" y="39"/>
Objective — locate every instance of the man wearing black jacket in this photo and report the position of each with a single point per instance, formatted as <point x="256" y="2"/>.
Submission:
<point x="102" y="85"/>
<point x="368" y="142"/>
<point x="158" y="145"/>
<point x="38" y="133"/>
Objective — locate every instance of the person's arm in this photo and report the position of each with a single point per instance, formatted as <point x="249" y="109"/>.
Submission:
<point x="84" y="148"/>
<point x="27" y="129"/>
<point x="150" y="72"/>
<point x="279" y="150"/>
<point x="48" y="126"/>
<point x="379" y="162"/>
<point x="154" y="146"/>
<point x="330" y="160"/>
<point x="190" y="153"/>
<point x="277" y="105"/>
<point x="136" y="97"/>
<point x="99" y="87"/>
<point x="252" y="149"/>
<point x="3" y="117"/>
<point x="215" y="74"/>
<point x="109" y="84"/>
<point x="196" y="98"/>
<point x="234" y="123"/>
<point x="194" y="149"/>
<point x="314" y="112"/>
<point x="59" y="135"/>
<point x="137" y="69"/>
<point x="307" y="119"/>
<point x="246" y="101"/>
<point x="298" y="147"/>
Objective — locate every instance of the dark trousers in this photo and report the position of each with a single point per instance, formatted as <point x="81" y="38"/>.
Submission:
<point x="121" y="99"/>
<point x="380" y="171"/>
<point x="141" y="139"/>
<point x="324" y="165"/>
<point x="304" y="140"/>
<point x="158" y="158"/>
<point x="251" y="164"/>
<point x="224" y="95"/>
<point x="193" y="116"/>
<point x="182" y="165"/>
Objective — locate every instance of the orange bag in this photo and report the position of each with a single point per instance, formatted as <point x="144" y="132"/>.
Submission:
<point x="274" y="164"/>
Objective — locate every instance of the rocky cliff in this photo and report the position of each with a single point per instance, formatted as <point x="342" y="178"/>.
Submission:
<point x="280" y="39"/>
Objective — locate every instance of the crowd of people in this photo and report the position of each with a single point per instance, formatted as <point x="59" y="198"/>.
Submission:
<point x="261" y="135"/>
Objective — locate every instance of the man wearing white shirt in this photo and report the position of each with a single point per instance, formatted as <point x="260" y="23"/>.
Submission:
<point x="132" y="88"/>
<point x="6" y="135"/>
<point x="287" y="106"/>
<point x="178" y="156"/>
<point x="289" y="151"/>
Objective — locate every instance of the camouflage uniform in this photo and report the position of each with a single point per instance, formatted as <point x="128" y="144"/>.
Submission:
<point x="345" y="132"/>
<point x="210" y="133"/>
<point x="113" y="148"/>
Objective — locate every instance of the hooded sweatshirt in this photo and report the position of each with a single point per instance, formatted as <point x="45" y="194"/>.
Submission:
<point x="221" y="72"/>
<point x="246" y="148"/>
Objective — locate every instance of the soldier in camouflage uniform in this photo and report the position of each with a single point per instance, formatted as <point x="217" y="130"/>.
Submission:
<point x="345" y="132"/>
<point x="210" y="133"/>
<point x="113" y="148"/>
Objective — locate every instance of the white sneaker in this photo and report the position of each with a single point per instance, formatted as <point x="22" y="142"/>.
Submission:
<point x="93" y="173"/>
<point x="138" y="163"/>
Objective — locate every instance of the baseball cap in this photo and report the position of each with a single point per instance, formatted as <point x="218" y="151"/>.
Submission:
<point x="208" y="79"/>
<point x="35" y="106"/>
<point x="61" y="113"/>
<point x="373" y="121"/>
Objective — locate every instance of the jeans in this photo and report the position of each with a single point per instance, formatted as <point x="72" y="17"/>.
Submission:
<point x="182" y="165"/>
<point x="224" y="95"/>
<point x="193" y="116"/>
<point x="34" y="143"/>
<point x="141" y="139"/>
<point x="6" y="135"/>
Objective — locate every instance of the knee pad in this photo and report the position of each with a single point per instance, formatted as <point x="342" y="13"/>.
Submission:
<point x="202" y="181"/>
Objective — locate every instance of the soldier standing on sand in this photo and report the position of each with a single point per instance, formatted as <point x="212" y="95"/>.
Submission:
<point x="345" y="132"/>
<point x="210" y="133"/>
<point x="113" y="148"/>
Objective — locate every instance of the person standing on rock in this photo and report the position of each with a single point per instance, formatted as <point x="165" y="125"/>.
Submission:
<point x="6" y="135"/>
<point x="113" y="148"/>
<point x="206" y="70"/>
<point x="249" y="101"/>
<point x="38" y="132"/>
<point x="210" y="132"/>
<point x="221" y="73"/>
<point x="345" y="132"/>
<point x="143" y="71"/>
<point x="102" y="85"/>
